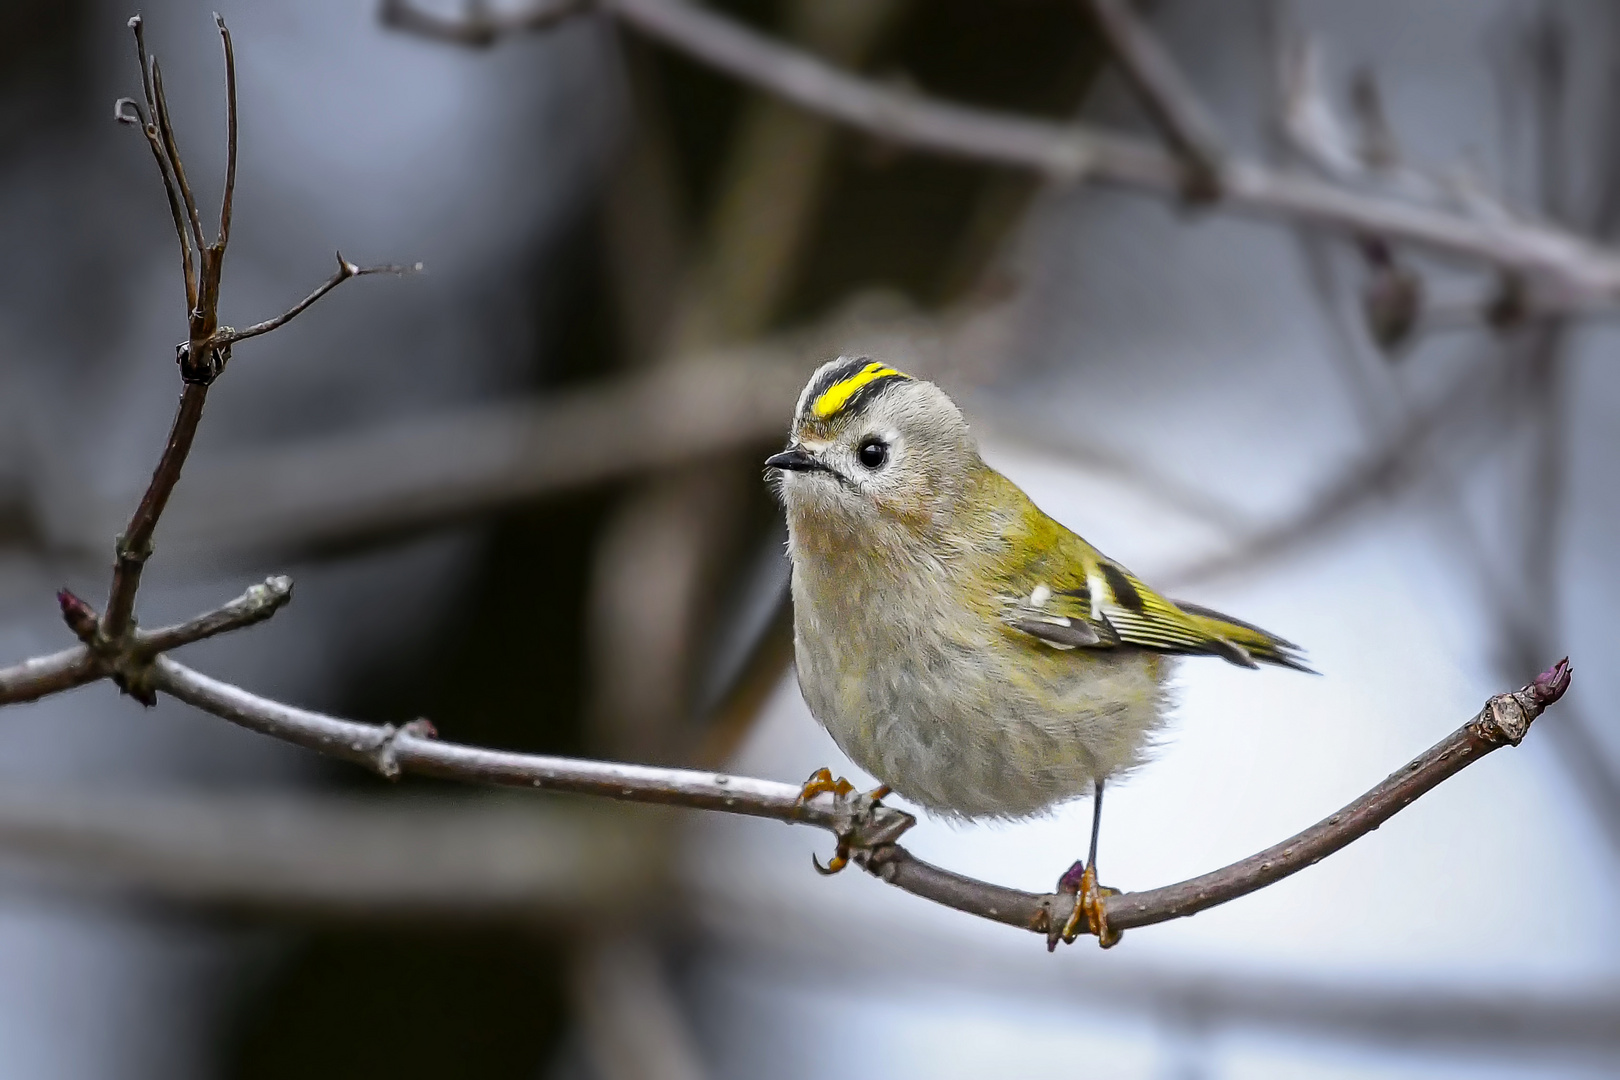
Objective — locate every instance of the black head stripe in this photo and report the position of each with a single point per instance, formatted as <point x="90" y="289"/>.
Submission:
<point x="846" y="387"/>
<point x="836" y="373"/>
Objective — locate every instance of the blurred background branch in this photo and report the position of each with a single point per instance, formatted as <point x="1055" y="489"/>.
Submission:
<point x="552" y="866"/>
<point x="1565" y="270"/>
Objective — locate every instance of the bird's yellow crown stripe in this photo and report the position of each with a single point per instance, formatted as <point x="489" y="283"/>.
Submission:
<point x="837" y="395"/>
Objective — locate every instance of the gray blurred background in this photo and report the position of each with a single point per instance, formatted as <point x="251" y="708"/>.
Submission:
<point x="520" y="494"/>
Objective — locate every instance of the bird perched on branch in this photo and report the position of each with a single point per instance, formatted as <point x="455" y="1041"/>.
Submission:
<point x="960" y="645"/>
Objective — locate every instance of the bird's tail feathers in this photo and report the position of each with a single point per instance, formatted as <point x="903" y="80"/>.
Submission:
<point x="1245" y="643"/>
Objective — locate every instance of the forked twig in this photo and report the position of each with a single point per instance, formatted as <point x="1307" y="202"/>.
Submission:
<point x="346" y="270"/>
<point x="207" y="348"/>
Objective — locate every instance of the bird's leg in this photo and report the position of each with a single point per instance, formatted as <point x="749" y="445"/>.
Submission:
<point x="821" y="782"/>
<point x="1081" y="881"/>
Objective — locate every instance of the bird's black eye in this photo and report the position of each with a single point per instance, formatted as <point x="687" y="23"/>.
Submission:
<point x="873" y="453"/>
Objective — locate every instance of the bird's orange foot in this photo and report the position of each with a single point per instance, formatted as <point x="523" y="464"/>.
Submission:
<point x="821" y="782"/>
<point x="1080" y="881"/>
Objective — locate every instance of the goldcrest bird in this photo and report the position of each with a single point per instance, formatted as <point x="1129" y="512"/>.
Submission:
<point x="967" y="650"/>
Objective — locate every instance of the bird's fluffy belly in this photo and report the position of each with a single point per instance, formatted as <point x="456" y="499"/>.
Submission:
<point x="971" y="725"/>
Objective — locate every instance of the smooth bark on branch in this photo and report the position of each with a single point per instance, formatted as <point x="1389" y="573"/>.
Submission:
<point x="254" y="606"/>
<point x="42" y="676"/>
<point x="871" y="830"/>
<point x="1567" y="272"/>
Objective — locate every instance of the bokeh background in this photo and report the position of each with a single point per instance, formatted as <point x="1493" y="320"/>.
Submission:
<point x="521" y="495"/>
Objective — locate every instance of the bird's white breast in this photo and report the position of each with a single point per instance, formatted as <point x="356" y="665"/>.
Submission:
<point x="946" y="705"/>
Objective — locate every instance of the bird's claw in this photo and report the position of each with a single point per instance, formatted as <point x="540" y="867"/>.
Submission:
<point x="821" y="782"/>
<point x="839" y="860"/>
<point x="1089" y="914"/>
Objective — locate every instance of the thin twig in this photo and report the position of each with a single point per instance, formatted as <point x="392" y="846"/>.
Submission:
<point x="254" y="606"/>
<point x="134" y="545"/>
<point x="226" y="337"/>
<point x="871" y="830"/>
<point x="127" y="659"/>
<point x="226" y="200"/>
<point x="171" y="149"/>
<point x="206" y="350"/>
<point x="1570" y="272"/>
<point x="1169" y="100"/>
<point x="149" y="127"/>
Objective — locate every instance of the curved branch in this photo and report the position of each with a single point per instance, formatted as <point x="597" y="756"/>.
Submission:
<point x="871" y="830"/>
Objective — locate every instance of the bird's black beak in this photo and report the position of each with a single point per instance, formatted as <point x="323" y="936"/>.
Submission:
<point x="794" y="459"/>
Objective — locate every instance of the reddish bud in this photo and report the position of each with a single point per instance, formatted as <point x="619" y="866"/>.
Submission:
<point x="1551" y="684"/>
<point x="80" y="616"/>
<point x="1070" y="881"/>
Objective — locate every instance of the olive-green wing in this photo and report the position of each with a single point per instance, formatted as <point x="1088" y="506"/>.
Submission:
<point x="1069" y="595"/>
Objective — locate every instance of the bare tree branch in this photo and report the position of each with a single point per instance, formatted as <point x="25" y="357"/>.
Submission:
<point x="207" y="349"/>
<point x="228" y="198"/>
<point x="346" y="270"/>
<point x="148" y="124"/>
<point x="42" y="676"/>
<point x="254" y="606"/>
<point x="171" y="150"/>
<point x="863" y="826"/>
<point x="869" y="829"/>
<point x="522" y="861"/>
<point x="134" y="545"/>
<point x="1567" y="272"/>
<point x="1159" y="85"/>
